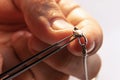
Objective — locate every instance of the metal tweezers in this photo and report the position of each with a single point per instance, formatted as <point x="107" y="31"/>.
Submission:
<point x="56" y="47"/>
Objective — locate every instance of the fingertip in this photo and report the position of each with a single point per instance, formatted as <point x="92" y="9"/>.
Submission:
<point x="53" y="31"/>
<point x="94" y="70"/>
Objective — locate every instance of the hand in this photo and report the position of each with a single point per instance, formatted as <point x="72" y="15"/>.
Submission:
<point x="47" y="22"/>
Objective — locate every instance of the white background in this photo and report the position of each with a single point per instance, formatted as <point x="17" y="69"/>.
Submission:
<point x="107" y="13"/>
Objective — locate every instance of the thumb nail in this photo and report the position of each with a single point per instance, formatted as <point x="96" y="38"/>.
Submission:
<point x="61" y="24"/>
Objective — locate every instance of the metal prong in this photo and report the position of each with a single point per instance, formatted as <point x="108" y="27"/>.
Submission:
<point x="77" y="32"/>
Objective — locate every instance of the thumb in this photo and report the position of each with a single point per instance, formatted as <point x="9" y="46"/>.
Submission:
<point x="45" y="19"/>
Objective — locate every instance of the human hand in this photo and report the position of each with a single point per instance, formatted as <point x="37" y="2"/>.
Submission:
<point x="48" y="22"/>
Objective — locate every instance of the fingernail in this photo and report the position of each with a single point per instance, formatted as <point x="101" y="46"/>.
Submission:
<point x="61" y="24"/>
<point x="91" y="47"/>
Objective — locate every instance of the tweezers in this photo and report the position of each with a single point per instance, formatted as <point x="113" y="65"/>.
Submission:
<point x="35" y="59"/>
<point x="23" y="66"/>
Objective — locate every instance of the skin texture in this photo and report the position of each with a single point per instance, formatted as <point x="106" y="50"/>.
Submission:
<point x="29" y="26"/>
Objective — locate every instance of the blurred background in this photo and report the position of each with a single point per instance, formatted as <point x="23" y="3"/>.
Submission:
<point x="107" y="13"/>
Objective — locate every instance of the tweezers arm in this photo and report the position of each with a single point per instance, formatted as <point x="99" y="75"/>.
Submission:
<point x="12" y="73"/>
